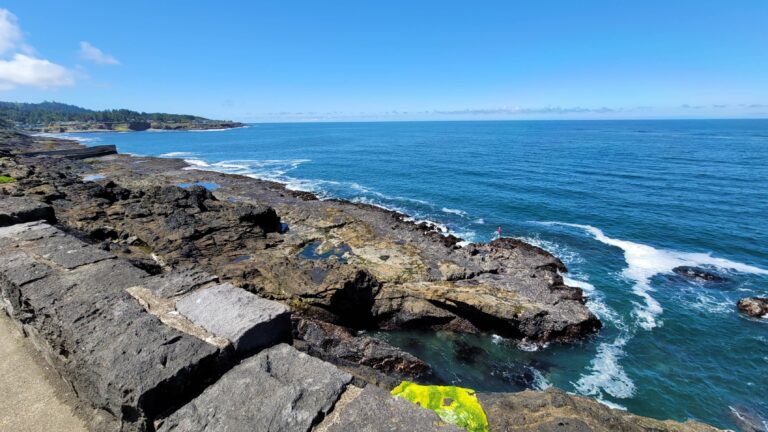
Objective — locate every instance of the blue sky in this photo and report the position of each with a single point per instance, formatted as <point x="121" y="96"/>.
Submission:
<point x="393" y="60"/>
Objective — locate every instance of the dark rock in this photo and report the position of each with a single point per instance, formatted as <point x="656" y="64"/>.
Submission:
<point x="754" y="306"/>
<point x="116" y="356"/>
<point x="279" y="389"/>
<point x="80" y="153"/>
<point x="15" y="210"/>
<point x="340" y="346"/>
<point x="698" y="274"/>
<point x="465" y="352"/>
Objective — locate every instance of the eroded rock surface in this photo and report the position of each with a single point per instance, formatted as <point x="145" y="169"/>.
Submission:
<point x="349" y="264"/>
<point x="554" y="410"/>
<point x="389" y="365"/>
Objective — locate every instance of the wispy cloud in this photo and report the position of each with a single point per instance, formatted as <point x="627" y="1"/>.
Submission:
<point x="19" y="66"/>
<point x="90" y="52"/>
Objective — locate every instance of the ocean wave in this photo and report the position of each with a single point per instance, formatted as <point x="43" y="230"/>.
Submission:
<point x="540" y="382"/>
<point x="180" y="154"/>
<point x="454" y="211"/>
<point x="644" y="262"/>
<point x="78" y="138"/>
<point x="607" y="376"/>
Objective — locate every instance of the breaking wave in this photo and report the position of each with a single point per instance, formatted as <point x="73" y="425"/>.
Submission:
<point x="644" y="262"/>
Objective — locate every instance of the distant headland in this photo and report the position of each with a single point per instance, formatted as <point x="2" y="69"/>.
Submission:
<point x="55" y="117"/>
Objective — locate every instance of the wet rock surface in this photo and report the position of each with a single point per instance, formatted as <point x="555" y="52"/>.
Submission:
<point x="698" y="274"/>
<point x="754" y="306"/>
<point x="371" y="358"/>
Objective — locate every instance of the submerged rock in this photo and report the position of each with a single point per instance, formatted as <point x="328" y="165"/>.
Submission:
<point x="698" y="274"/>
<point x="754" y="306"/>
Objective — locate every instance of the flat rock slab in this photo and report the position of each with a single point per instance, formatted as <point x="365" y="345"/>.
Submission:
<point x="279" y="389"/>
<point x="250" y="322"/>
<point x="179" y="281"/>
<point x="15" y="210"/>
<point x="116" y="356"/>
<point x="375" y="410"/>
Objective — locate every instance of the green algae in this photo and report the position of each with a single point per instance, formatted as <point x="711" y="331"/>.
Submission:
<point x="6" y="179"/>
<point x="455" y="405"/>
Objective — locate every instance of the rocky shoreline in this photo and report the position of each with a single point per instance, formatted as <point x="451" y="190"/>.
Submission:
<point x="336" y="267"/>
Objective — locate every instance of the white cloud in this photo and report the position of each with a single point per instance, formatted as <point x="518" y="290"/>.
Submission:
<point x="90" y="52"/>
<point x="19" y="66"/>
<point x="10" y="33"/>
<point x="29" y="71"/>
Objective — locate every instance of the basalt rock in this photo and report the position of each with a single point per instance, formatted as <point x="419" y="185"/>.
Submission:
<point x="340" y="346"/>
<point x="698" y="274"/>
<point x="754" y="306"/>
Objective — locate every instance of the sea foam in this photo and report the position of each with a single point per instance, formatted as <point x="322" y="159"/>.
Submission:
<point x="644" y="262"/>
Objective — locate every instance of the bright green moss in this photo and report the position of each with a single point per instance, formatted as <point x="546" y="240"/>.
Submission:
<point x="455" y="405"/>
<point x="6" y="179"/>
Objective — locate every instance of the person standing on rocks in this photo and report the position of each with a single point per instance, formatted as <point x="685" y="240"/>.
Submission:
<point x="498" y="232"/>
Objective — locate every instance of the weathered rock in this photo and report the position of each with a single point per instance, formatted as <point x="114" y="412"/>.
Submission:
<point x="15" y="210"/>
<point x="115" y="355"/>
<point x="279" y="389"/>
<point x="389" y="272"/>
<point x="554" y="410"/>
<point x="340" y="346"/>
<point x="374" y="410"/>
<point x="754" y="306"/>
<point x="77" y="153"/>
<point x="250" y="322"/>
<point x="698" y="274"/>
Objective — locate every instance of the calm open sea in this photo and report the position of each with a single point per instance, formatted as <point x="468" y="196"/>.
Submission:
<point x="620" y="202"/>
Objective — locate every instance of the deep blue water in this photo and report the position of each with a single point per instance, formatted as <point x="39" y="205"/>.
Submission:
<point x="621" y="202"/>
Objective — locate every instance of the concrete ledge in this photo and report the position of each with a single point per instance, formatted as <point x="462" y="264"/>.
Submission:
<point x="251" y="323"/>
<point x="279" y="389"/>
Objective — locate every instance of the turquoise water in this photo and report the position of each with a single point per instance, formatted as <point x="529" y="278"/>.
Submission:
<point x="620" y="202"/>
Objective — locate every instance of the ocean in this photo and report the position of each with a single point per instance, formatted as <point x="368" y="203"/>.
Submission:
<point x="620" y="202"/>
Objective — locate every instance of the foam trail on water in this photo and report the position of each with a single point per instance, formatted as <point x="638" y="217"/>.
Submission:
<point x="607" y="375"/>
<point x="644" y="262"/>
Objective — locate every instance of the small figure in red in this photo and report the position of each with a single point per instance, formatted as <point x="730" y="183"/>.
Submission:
<point x="498" y="232"/>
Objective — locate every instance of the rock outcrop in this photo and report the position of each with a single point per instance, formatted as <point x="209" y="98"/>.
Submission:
<point x="754" y="306"/>
<point x="554" y="410"/>
<point x="370" y="358"/>
<point x="351" y="265"/>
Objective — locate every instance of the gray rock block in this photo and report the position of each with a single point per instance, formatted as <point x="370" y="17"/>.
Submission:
<point x="116" y="356"/>
<point x="179" y="281"/>
<point x="375" y="410"/>
<point x="14" y="210"/>
<point x="250" y="322"/>
<point x="279" y="389"/>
